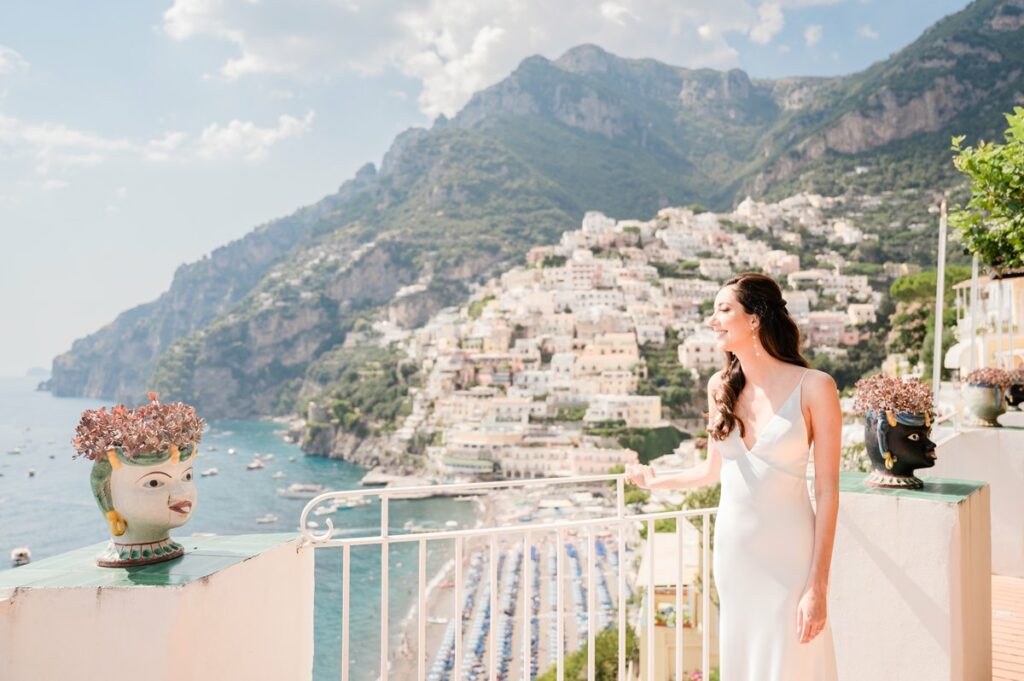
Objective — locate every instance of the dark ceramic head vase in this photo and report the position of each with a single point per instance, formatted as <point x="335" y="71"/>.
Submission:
<point x="1015" y="396"/>
<point x="897" y="444"/>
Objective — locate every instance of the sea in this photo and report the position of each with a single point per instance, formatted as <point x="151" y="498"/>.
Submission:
<point x="53" y="511"/>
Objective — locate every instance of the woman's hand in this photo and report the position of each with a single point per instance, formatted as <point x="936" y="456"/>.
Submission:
<point x="811" y="614"/>
<point x="640" y="475"/>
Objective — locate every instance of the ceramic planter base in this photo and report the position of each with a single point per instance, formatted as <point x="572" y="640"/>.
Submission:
<point x="879" y="479"/>
<point x="983" y="404"/>
<point x="133" y="555"/>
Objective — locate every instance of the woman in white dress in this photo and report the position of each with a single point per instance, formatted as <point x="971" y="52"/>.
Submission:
<point x="772" y="551"/>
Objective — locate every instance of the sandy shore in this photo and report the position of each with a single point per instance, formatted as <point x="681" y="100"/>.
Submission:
<point x="440" y="603"/>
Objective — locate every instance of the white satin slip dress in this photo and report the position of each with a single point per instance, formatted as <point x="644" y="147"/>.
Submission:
<point x="764" y="539"/>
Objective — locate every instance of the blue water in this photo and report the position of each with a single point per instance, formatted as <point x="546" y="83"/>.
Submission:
<point x="54" y="511"/>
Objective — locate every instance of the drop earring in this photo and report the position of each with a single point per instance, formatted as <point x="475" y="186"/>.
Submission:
<point x="757" y="347"/>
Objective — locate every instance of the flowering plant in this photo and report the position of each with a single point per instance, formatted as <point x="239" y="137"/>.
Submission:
<point x="881" y="393"/>
<point x="1016" y="376"/>
<point x="991" y="376"/>
<point x="150" y="428"/>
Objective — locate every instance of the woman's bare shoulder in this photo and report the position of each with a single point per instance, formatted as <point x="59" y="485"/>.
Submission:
<point x="819" y="384"/>
<point x="715" y="380"/>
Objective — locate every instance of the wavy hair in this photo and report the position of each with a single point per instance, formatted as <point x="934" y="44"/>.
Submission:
<point x="778" y="334"/>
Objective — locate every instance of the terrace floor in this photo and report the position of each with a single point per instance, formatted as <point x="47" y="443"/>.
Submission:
<point x="1007" y="628"/>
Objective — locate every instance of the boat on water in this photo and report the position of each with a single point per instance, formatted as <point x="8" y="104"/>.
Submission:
<point x="232" y="451"/>
<point x="267" y="519"/>
<point x="278" y="475"/>
<point x="451" y="523"/>
<point x="253" y="465"/>
<point x="266" y="457"/>
<point x="209" y="471"/>
<point x="16" y="450"/>
<point x="211" y="448"/>
<point x="20" y="556"/>
<point x="291" y="458"/>
<point x="301" y="490"/>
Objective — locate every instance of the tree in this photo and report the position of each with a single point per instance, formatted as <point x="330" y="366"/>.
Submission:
<point x="991" y="225"/>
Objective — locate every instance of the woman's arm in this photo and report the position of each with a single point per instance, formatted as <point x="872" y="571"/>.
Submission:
<point x="704" y="473"/>
<point x="826" y="425"/>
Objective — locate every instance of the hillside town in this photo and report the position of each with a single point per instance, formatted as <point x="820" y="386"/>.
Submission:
<point x="541" y="369"/>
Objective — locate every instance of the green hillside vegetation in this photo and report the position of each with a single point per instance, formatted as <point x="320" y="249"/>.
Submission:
<point x="365" y="388"/>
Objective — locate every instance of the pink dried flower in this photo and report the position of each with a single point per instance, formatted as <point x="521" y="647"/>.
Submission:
<point x="881" y="393"/>
<point x="149" y="428"/>
<point x="991" y="376"/>
<point x="1016" y="376"/>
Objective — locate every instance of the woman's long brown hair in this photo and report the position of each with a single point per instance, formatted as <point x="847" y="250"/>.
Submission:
<point x="778" y="334"/>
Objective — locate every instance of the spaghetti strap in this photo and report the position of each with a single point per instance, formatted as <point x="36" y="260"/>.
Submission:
<point x="802" y="378"/>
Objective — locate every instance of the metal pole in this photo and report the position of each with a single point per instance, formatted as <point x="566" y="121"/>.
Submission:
<point x="940" y="292"/>
<point x="973" y="364"/>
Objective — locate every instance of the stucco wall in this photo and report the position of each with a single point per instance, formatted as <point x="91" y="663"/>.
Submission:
<point x="250" y="620"/>
<point x="910" y="595"/>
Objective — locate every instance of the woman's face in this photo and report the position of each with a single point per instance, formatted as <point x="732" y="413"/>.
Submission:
<point x="730" y="322"/>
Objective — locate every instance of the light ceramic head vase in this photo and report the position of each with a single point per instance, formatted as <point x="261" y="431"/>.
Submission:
<point x="143" y="497"/>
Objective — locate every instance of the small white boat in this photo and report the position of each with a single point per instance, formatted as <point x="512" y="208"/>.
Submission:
<point x="278" y="475"/>
<point x="324" y="510"/>
<point x="301" y="490"/>
<point x="312" y="523"/>
<point x="451" y="523"/>
<point x="16" y="450"/>
<point x="267" y="519"/>
<point x="356" y="502"/>
<point x="253" y="465"/>
<point x="20" y="556"/>
<point x="232" y="451"/>
<point x="211" y="448"/>
<point x="209" y="471"/>
<point x="266" y="457"/>
<point x="291" y="458"/>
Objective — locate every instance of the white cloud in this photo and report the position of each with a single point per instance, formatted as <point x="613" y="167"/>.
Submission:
<point x="813" y="34"/>
<point x="614" y="12"/>
<point x="456" y="47"/>
<point x="245" y="139"/>
<point x="11" y="61"/>
<point x="771" y="22"/>
<point x="52" y="151"/>
<point x="866" y="31"/>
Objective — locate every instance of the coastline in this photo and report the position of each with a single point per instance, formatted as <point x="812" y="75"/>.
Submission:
<point x="439" y="602"/>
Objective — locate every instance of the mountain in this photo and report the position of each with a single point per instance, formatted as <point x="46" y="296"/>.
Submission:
<point x="256" y="327"/>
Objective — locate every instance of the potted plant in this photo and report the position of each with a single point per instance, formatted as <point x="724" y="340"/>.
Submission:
<point x="898" y="421"/>
<point x="1015" y="393"/>
<point x="141" y="476"/>
<point x="984" y="392"/>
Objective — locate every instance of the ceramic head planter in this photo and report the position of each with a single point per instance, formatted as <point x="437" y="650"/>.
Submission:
<point x="984" y="393"/>
<point x="1015" y="393"/>
<point x="141" y="477"/>
<point x="898" y="421"/>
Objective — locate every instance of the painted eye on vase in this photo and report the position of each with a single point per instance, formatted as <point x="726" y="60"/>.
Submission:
<point x="188" y="476"/>
<point x="914" y="437"/>
<point x="152" y="483"/>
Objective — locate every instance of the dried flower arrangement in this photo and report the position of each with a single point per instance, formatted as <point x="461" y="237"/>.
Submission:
<point x="881" y="393"/>
<point x="991" y="376"/>
<point x="150" y="428"/>
<point x="1016" y="376"/>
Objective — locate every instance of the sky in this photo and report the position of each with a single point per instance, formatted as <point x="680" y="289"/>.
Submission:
<point x="139" y="135"/>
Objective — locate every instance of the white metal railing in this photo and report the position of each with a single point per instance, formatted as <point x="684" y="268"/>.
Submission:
<point x="618" y="523"/>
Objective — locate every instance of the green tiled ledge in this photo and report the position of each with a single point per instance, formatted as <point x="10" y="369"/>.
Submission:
<point x="935" y="489"/>
<point x="203" y="557"/>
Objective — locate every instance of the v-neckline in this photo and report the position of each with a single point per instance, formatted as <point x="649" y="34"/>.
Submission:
<point x="757" y="439"/>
